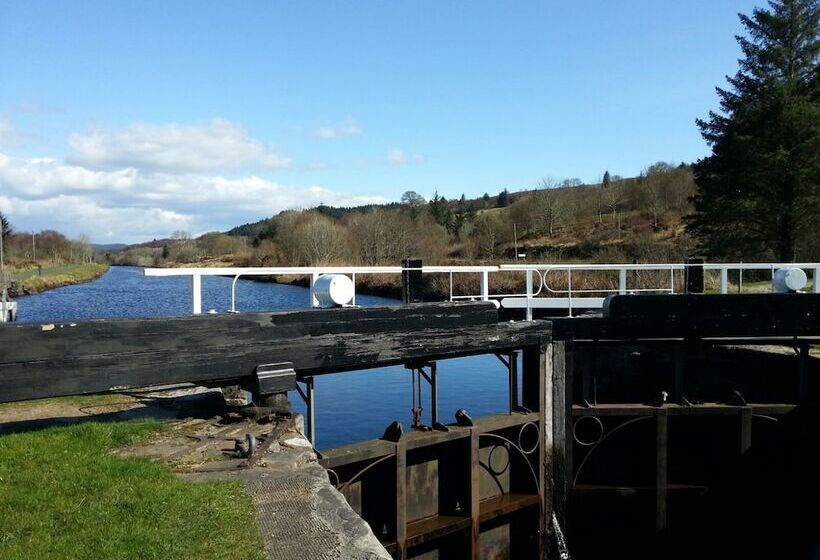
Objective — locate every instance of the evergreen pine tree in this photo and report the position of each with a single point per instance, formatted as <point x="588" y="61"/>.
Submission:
<point x="5" y="225"/>
<point x="758" y="194"/>
<point x="503" y="199"/>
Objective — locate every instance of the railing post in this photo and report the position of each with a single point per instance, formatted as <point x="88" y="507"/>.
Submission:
<point x="622" y="281"/>
<point x="724" y="280"/>
<point x="233" y="294"/>
<point x="196" y="290"/>
<point x="485" y="285"/>
<point x="412" y="281"/>
<point x="816" y="281"/>
<point x="529" y="295"/>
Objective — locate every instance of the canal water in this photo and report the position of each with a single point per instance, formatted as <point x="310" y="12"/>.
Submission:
<point x="350" y="407"/>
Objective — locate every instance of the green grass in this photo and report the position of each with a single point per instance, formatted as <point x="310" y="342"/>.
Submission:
<point x="76" y="400"/>
<point x="63" y="495"/>
<point x="57" y="276"/>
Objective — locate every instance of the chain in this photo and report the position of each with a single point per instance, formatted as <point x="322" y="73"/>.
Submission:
<point x="560" y="541"/>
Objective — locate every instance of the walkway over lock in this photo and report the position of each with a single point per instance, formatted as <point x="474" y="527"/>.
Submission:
<point x="547" y="286"/>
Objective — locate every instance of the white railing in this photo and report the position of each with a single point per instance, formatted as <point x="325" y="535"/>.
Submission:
<point x="571" y="296"/>
<point x="544" y="295"/>
<point x="314" y="272"/>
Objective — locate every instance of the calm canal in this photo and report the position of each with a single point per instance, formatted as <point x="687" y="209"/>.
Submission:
<point x="350" y="406"/>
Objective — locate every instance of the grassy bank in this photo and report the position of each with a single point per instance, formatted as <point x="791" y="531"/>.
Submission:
<point x="63" y="495"/>
<point x="33" y="281"/>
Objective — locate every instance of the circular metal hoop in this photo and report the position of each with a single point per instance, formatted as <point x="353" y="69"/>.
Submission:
<point x="537" y="438"/>
<point x="491" y="468"/>
<point x="595" y="440"/>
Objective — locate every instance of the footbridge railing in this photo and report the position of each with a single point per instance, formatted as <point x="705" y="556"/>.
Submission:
<point x="557" y="286"/>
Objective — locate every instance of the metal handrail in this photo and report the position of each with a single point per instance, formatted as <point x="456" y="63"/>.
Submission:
<point x="531" y="270"/>
<point x="314" y="272"/>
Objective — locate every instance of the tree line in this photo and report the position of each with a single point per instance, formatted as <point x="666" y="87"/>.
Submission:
<point x="619" y="218"/>
<point x="24" y="249"/>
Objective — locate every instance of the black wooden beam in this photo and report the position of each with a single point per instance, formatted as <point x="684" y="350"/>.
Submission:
<point x="96" y="356"/>
<point x="694" y="316"/>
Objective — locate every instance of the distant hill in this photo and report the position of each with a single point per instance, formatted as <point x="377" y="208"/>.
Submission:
<point x="253" y="228"/>
<point x="108" y="246"/>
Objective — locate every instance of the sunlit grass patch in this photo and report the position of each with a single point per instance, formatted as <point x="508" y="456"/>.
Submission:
<point x="63" y="495"/>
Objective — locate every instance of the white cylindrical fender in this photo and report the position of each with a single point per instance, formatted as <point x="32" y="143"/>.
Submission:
<point x="789" y="280"/>
<point x="333" y="290"/>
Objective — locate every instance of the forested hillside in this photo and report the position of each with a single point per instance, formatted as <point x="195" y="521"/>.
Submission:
<point x="616" y="220"/>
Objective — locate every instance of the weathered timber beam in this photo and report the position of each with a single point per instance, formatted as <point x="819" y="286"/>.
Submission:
<point x="698" y="316"/>
<point x="96" y="356"/>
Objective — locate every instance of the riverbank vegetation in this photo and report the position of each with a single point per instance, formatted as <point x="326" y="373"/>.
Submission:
<point x="35" y="262"/>
<point x="618" y="219"/>
<point x="35" y="280"/>
<point x="65" y="495"/>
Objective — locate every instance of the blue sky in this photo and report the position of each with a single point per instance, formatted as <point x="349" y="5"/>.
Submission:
<point x="127" y="120"/>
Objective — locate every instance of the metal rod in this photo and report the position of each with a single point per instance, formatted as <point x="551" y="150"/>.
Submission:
<point x="529" y="295"/>
<point x="433" y="395"/>
<point x="512" y="370"/>
<point x="233" y="294"/>
<point x="311" y="410"/>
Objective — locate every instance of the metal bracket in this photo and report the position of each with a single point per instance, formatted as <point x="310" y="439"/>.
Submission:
<point x="417" y="372"/>
<point x="511" y="363"/>
<point x="307" y="396"/>
<point x="269" y="379"/>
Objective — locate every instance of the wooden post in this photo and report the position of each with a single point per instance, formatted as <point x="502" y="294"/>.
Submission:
<point x="693" y="275"/>
<point x="660" y="471"/>
<point x="537" y="369"/>
<point x="412" y="282"/>
<point x="401" y="500"/>
<point x="745" y="442"/>
<point x="546" y="451"/>
<point x="475" y="496"/>
<point x="680" y="355"/>
<point x="562" y="468"/>
<point x="803" y="379"/>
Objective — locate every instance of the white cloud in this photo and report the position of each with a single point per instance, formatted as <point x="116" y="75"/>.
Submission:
<point x="76" y="215"/>
<point x="8" y="132"/>
<point x="132" y="205"/>
<point x="218" y="144"/>
<point x="348" y="127"/>
<point x="399" y="157"/>
<point x="38" y="177"/>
